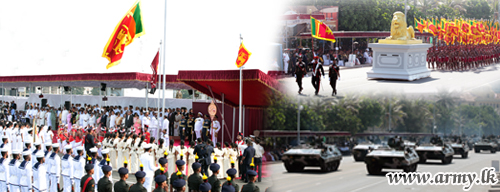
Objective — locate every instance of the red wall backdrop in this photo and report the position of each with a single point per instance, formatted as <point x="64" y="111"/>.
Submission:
<point x="254" y="119"/>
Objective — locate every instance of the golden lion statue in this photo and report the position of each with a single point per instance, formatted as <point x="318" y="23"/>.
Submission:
<point x="399" y="30"/>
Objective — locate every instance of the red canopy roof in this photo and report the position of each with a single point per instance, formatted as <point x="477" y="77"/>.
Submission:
<point x="115" y="80"/>
<point x="277" y="133"/>
<point x="256" y="85"/>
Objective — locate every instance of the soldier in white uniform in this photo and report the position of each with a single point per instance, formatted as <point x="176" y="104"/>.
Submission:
<point x="13" y="173"/>
<point x="4" y="169"/>
<point x="78" y="167"/>
<point x="214" y="131"/>
<point x="198" y="125"/>
<point x="25" y="172"/>
<point x="39" y="174"/>
<point x="6" y="145"/>
<point x="67" y="169"/>
<point x="105" y="155"/>
<point x="48" y="147"/>
<point x="38" y="148"/>
<point x="55" y="168"/>
<point x="148" y="163"/>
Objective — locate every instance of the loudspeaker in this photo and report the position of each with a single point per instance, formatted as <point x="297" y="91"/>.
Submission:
<point x="152" y="91"/>
<point x="190" y="92"/>
<point x="103" y="86"/>
<point x="67" y="104"/>
<point x="44" y="102"/>
<point x="66" y="88"/>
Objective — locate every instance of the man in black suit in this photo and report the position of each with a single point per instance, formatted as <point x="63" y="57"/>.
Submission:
<point x="248" y="155"/>
<point x="171" y="120"/>
<point x="204" y="158"/>
<point x="89" y="141"/>
<point x="104" y="118"/>
<point x="129" y="120"/>
<point x="13" y="105"/>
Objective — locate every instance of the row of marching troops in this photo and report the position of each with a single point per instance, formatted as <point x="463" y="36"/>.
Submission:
<point x="21" y="172"/>
<point x="458" y="57"/>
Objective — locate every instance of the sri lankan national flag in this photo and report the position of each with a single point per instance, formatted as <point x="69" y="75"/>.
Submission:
<point x="129" y="28"/>
<point x="243" y="55"/>
<point x="319" y="30"/>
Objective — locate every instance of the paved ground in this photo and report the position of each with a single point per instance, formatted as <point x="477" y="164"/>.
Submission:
<point x="355" y="81"/>
<point x="352" y="176"/>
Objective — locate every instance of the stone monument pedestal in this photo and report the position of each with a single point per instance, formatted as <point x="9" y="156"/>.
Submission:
<point x="399" y="61"/>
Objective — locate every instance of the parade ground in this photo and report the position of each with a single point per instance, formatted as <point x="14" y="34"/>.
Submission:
<point x="354" y="80"/>
<point x="352" y="176"/>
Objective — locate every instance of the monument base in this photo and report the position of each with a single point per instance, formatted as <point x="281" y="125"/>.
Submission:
<point x="399" y="61"/>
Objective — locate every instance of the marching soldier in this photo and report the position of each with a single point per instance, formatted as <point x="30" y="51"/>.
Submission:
<point x="161" y="183"/>
<point x="163" y="170"/>
<point x="149" y="167"/>
<point x="39" y="174"/>
<point x="231" y="173"/>
<point x="4" y="169"/>
<point x="55" y="168"/>
<point x="194" y="180"/>
<point x="25" y="173"/>
<point x="104" y="184"/>
<point x="138" y="187"/>
<point x="300" y="71"/>
<point x="318" y="70"/>
<point x="105" y="161"/>
<point x="87" y="182"/>
<point x="38" y="147"/>
<point x="213" y="180"/>
<point x="67" y="169"/>
<point x="48" y="147"/>
<point x="122" y="186"/>
<point x="13" y="175"/>
<point x="175" y="175"/>
<point x="205" y="187"/>
<point x="250" y="186"/>
<point x="333" y="73"/>
<point x="78" y="167"/>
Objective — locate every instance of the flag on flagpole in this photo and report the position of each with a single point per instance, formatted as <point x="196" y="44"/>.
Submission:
<point x="129" y="28"/>
<point x="319" y="30"/>
<point x="243" y="55"/>
<point x="154" y="67"/>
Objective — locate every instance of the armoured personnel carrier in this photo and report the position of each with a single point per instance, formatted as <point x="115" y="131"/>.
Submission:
<point x="359" y="151"/>
<point x="436" y="149"/>
<point x="327" y="157"/>
<point x="486" y="145"/>
<point x="395" y="155"/>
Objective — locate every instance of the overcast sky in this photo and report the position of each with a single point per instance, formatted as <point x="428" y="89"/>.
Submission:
<point x="58" y="37"/>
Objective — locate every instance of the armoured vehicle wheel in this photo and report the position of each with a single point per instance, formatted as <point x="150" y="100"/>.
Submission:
<point x="493" y="151"/>
<point x="408" y="168"/>
<point x="464" y="155"/>
<point x="423" y="159"/>
<point x="358" y="158"/>
<point x="476" y="151"/>
<point x="415" y="167"/>
<point x="335" y="165"/>
<point x="374" y="169"/>
<point x="294" y="167"/>
<point x="447" y="160"/>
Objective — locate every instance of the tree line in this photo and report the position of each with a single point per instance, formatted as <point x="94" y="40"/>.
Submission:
<point x="386" y="113"/>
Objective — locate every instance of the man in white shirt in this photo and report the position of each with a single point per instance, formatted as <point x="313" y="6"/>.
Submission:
<point x="112" y="119"/>
<point x="41" y="116"/>
<point x="165" y="130"/>
<point x="148" y="163"/>
<point x="85" y="118"/>
<point x="214" y="131"/>
<point x="146" y="120"/>
<point x="64" y="116"/>
<point x="198" y="125"/>
<point x="259" y="150"/>
<point x="286" y="59"/>
<point x="92" y="120"/>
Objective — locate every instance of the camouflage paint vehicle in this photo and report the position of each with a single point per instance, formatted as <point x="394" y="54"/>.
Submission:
<point x="327" y="157"/>
<point x="485" y="145"/>
<point x="393" y="158"/>
<point x="443" y="152"/>
<point x="359" y="151"/>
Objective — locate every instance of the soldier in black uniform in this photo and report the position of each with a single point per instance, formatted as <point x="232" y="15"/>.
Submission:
<point x="190" y="127"/>
<point x="300" y="71"/>
<point x="161" y="184"/>
<point x="333" y="73"/>
<point x="182" y="127"/>
<point x="175" y="175"/>
<point x="122" y="186"/>
<point x="87" y="183"/>
<point x="194" y="179"/>
<point x="206" y="128"/>
<point x="179" y="185"/>
<point x="231" y="173"/>
<point x="163" y="168"/>
<point x="104" y="185"/>
<point x="250" y="186"/>
<point x="317" y="71"/>
<point x="213" y="180"/>
<point x="138" y="187"/>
